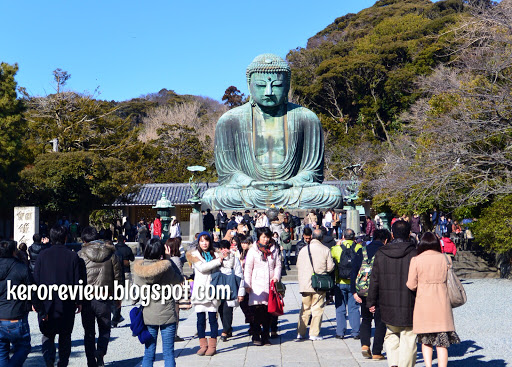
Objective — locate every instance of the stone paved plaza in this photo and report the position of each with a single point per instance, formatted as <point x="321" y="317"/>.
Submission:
<point x="480" y="332"/>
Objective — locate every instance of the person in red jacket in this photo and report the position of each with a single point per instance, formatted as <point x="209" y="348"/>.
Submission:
<point x="447" y="246"/>
<point x="157" y="227"/>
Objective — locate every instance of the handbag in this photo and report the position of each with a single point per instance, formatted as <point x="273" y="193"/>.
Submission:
<point x="137" y="326"/>
<point x="456" y="292"/>
<point x="320" y="282"/>
<point x="275" y="301"/>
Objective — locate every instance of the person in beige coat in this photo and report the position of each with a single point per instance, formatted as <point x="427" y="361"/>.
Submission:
<point x="433" y="317"/>
<point x="313" y="302"/>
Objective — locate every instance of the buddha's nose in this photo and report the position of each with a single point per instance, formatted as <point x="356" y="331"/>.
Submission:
<point x="268" y="90"/>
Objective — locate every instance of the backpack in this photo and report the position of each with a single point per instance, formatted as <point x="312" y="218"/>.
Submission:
<point x="346" y="259"/>
<point x="295" y="221"/>
<point x="363" y="276"/>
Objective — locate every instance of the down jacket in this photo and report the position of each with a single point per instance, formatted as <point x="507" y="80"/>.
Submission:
<point x="258" y="273"/>
<point x="101" y="264"/>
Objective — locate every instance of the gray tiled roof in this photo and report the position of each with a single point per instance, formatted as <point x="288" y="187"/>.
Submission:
<point x="179" y="193"/>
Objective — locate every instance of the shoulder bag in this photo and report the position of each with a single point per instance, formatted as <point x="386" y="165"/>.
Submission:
<point x="320" y="282"/>
<point x="456" y="291"/>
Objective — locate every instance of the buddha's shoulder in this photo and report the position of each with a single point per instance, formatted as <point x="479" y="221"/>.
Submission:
<point x="235" y="114"/>
<point x="302" y="112"/>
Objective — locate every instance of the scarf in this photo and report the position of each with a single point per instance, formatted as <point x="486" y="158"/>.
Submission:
<point x="207" y="256"/>
<point x="264" y="250"/>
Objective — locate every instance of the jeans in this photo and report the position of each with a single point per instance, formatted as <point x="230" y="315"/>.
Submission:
<point x="286" y="257"/>
<point x="366" y="328"/>
<point x="344" y="300"/>
<point x="201" y="324"/>
<point x="96" y="312"/>
<point x="168" y="332"/>
<point x="17" y="334"/>
<point x="226" y="317"/>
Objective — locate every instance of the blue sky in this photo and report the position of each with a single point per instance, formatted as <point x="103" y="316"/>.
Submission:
<point x="130" y="48"/>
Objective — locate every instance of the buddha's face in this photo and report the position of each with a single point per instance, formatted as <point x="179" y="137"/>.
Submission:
<point x="269" y="89"/>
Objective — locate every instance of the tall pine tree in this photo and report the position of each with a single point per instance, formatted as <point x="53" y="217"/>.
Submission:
<point x="12" y="129"/>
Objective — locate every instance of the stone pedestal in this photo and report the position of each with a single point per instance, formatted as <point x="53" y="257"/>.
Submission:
<point x="26" y="224"/>
<point x="196" y="225"/>
<point x="353" y="221"/>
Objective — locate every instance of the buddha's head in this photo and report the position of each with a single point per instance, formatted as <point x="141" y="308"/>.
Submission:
<point x="268" y="79"/>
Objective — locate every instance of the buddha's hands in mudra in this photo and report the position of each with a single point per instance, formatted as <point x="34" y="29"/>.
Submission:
<point x="271" y="185"/>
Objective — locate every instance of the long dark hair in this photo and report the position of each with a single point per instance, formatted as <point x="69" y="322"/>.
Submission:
<point x="429" y="241"/>
<point x="174" y="246"/>
<point x="263" y="230"/>
<point x="210" y="248"/>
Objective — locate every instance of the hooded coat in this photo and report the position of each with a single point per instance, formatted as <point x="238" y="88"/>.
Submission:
<point x="162" y="272"/>
<point x="101" y="264"/>
<point x="388" y="281"/>
<point x="33" y="252"/>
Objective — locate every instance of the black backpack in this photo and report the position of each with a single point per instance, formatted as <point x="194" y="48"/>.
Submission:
<point x="346" y="259"/>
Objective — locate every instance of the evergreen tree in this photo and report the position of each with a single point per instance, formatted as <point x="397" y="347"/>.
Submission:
<point x="12" y="130"/>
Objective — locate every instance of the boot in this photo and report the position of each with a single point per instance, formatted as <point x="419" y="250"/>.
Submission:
<point x="203" y="346"/>
<point x="212" y="347"/>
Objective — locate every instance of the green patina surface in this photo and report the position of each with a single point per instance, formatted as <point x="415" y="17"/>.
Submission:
<point x="268" y="151"/>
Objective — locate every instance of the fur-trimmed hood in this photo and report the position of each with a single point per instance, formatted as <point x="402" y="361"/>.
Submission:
<point x="194" y="256"/>
<point x="97" y="251"/>
<point x="151" y="270"/>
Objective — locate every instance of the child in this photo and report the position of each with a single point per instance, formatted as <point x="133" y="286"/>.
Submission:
<point x="226" y="307"/>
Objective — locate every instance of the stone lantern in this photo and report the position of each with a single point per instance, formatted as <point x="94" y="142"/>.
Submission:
<point x="163" y="208"/>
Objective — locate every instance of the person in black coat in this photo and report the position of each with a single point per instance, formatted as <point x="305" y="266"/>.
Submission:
<point x="388" y="290"/>
<point x="14" y="326"/>
<point x="327" y="240"/>
<point x="209" y="221"/>
<point x="380" y="238"/>
<point x="39" y="245"/>
<point x="222" y="222"/>
<point x="58" y="265"/>
<point x="125" y="256"/>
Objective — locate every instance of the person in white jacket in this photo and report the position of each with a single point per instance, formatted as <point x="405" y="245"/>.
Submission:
<point x="205" y="261"/>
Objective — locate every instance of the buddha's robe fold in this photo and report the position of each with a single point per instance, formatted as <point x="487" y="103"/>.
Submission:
<point x="302" y="167"/>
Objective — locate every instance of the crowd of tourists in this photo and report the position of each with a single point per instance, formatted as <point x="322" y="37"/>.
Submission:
<point x="396" y="280"/>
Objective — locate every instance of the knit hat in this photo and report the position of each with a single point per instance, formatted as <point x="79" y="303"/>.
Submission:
<point x="205" y="233"/>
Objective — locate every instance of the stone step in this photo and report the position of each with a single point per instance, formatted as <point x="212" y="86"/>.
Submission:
<point x="477" y="274"/>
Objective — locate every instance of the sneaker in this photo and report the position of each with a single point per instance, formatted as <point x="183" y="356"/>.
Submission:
<point x="178" y="339"/>
<point x="340" y="336"/>
<point x="99" y="359"/>
<point x="256" y="340"/>
<point x="365" y="351"/>
<point x="300" y="337"/>
<point x="266" y="342"/>
<point x="378" y="357"/>
<point x="356" y="337"/>
<point x="318" y="337"/>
